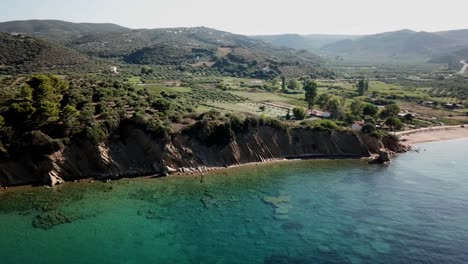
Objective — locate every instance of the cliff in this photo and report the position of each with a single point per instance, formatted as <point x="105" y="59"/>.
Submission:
<point x="132" y="151"/>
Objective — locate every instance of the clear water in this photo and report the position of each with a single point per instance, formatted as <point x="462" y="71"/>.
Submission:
<point x="413" y="211"/>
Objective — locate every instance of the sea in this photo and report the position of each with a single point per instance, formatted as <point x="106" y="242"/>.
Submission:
<point x="414" y="210"/>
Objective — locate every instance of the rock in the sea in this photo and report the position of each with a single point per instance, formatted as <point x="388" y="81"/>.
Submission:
<point x="382" y="158"/>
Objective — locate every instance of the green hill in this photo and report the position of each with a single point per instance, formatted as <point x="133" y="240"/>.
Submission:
<point x="186" y="48"/>
<point x="56" y="29"/>
<point x="401" y="43"/>
<point x="442" y="47"/>
<point x="26" y="54"/>
<point x="201" y="47"/>
<point x="312" y="43"/>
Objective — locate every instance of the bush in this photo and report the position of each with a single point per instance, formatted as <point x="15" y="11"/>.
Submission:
<point x="368" y="128"/>
<point x="299" y="113"/>
<point x="326" y="124"/>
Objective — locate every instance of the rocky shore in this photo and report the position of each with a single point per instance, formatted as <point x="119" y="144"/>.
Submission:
<point x="133" y="152"/>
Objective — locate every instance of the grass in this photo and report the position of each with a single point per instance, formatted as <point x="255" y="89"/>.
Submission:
<point x="271" y="97"/>
<point x="159" y="89"/>
<point x="134" y="80"/>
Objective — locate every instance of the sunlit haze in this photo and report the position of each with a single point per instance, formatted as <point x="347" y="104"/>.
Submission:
<point x="253" y="17"/>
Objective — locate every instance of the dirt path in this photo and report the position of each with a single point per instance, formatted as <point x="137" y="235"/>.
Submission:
<point x="464" y="68"/>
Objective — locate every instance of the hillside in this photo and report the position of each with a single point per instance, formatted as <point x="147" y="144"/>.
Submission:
<point x="228" y="53"/>
<point x="25" y="54"/>
<point x="311" y="43"/>
<point x="447" y="47"/>
<point x="187" y="48"/>
<point x="391" y="44"/>
<point x="56" y="29"/>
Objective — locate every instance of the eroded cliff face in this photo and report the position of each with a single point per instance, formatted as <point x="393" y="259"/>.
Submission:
<point x="133" y="152"/>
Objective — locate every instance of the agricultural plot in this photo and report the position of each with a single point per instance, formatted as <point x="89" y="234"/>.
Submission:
<point x="252" y="108"/>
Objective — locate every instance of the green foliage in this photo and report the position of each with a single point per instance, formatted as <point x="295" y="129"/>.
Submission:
<point x="357" y="108"/>
<point x="326" y="124"/>
<point x="293" y="84"/>
<point x="69" y="116"/>
<point x="391" y="110"/>
<point x="370" y="110"/>
<point x="18" y="113"/>
<point x="323" y="100"/>
<point x="368" y="128"/>
<point x="299" y="113"/>
<point x="47" y="110"/>
<point x="2" y="122"/>
<point x="394" y="123"/>
<point x="362" y="87"/>
<point x="310" y="88"/>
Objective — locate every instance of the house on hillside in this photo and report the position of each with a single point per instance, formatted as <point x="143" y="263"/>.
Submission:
<point x="113" y="69"/>
<point x="256" y="82"/>
<point x="428" y="103"/>
<point x="403" y="114"/>
<point x="322" y="114"/>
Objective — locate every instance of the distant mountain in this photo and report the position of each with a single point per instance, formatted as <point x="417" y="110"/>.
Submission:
<point x="438" y="47"/>
<point x="57" y="30"/>
<point x="391" y="44"/>
<point x="19" y="53"/>
<point x="312" y="43"/>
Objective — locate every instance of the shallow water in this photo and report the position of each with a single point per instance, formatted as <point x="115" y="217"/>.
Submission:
<point x="413" y="211"/>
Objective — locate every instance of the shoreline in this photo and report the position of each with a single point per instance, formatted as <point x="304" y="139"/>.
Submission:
<point x="407" y="138"/>
<point x="425" y="135"/>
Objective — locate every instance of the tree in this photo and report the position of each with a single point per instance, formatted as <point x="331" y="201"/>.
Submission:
<point x="409" y="118"/>
<point x="391" y="110"/>
<point x="283" y="83"/>
<point x="69" y="116"/>
<point x="299" y="113"/>
<point x="47" y="111"/>
<point x="26" y="92"/>
<point x="293" y="84"/>
<point x="363" y="87"/>
<point x="357" y="108"/>
<point x="335" y="107"/>
<point x="393" y="123"/>
<point x="2" y="121"/>
<point x="310" y="88"/>
<point x="19" y="112"/>
<point x="288" y="115"/>
<point x="368" y="128"/>
<point x="370" y="110"/>
<point x="323" y="100"/>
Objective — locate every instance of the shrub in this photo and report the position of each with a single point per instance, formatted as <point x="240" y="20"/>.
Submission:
<point x="299" y="113"/>
<point x="368" y="128"/>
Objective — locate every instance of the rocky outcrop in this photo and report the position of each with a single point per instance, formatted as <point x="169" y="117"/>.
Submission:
<point x="133" y="152"/>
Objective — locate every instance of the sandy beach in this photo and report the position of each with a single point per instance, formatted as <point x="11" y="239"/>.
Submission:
<point x="433" y="134"/>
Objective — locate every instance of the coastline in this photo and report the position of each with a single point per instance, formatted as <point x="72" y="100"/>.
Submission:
<point x="432" y="134"/>
<point x="408" y="138"/>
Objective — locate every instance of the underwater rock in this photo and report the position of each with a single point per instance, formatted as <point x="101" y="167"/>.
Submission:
<point x="47" y="221"/>
<point x="51" y="219"/>
<point x="276" y="201"/>
<point x="281" y="204"/>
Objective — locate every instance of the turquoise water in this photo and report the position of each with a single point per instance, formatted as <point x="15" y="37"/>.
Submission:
<point x="413" y="211"/>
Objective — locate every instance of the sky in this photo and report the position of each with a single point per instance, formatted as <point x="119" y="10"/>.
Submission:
<point x="253" y="17"/>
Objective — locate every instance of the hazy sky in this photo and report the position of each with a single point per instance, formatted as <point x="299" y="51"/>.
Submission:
<point x="253" y="16"/>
